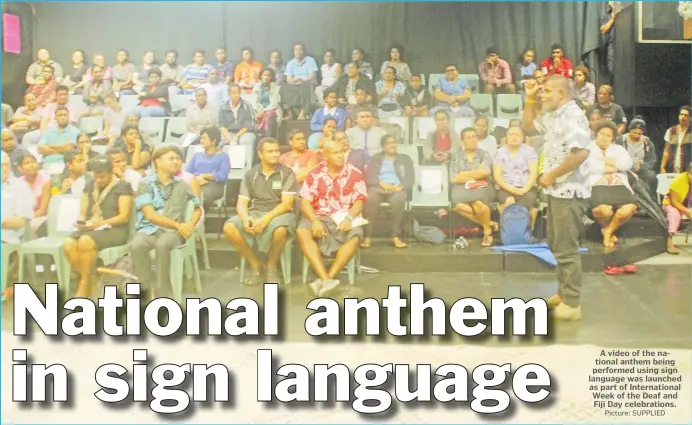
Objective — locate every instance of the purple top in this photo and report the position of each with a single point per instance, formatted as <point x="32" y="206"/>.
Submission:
<point x="217" y="165"/>
<point x="515" y="169"/>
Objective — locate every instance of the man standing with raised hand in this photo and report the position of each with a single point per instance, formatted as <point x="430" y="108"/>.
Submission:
<point x="564" y="180"/>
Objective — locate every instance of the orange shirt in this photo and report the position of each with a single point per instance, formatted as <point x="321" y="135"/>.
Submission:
<point x="247" y="74"/>
<point x="297" y="163"/>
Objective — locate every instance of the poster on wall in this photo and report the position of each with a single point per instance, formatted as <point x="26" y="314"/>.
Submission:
<point x="11" y="40"/>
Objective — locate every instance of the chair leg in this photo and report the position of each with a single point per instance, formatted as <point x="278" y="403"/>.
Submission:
<point x="5" y="267"/>
<point x="21" y="267"/>
<point x="351" y="268"/>
<point x="195" y="271"/>
<point x="63" y="270"/>
<point x="242" y="269"/>
<point x="205" y="252"/>
<point x="177" y="275"/>
<point x="286" y="259"/>
<point x="306" y="265"/>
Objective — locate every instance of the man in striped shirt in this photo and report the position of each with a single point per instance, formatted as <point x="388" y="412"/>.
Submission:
<point x="196" y="73"/>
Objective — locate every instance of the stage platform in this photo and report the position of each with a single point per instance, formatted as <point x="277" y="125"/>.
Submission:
<point x="640" y="239"/>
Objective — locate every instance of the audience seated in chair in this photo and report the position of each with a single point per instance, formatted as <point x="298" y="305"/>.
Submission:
<point x="266" y="101"/>
<point x="358" y="57"/>
<point x="525" y="68"/>
<point x="94" y="92"/>
<point x="247" y="73"/>
<point x="58" y="139"/>
<point x="103" y="222"/>
<point x="35" y="74"/>
<point x="453" y="93"/>
<point x="595" y="117"/>
<point x="28" y="117"/>
<point x="612" y="200"/>
<point x="330" y="71"/>
<point x="678" y="148"/>
<point x="14" y="150"/>
<point x="472" y="190"/>
<point x="486" y="141"/>
<point x="48" y="119"/>
<point x="84" y="147"/>
<point x="298" y="92"/>
<point x="610" y="111"/>
<point x="333" y="186"/>
<point x="171" y="72"/>
<point x="216" y="89"/>
<point x="676" y="204"/>
<point x="355" y="157"/>
<point x="389" y="176"/>
<point x="114" y="116"/>
<point x="122" y="73"/>
<point x="362" y="104"/>
<point x="237" y="120"/>
<point x="583" y="90"/>
<point x="642" y="151"/>
<point x="300" y="159"/>
<point x="557" y="63"/>
<point x="117" y="157"/>
<point x="390" y="93"/>
<point x="331" y="109"/>
<point x="416" y="98"/>
<point x="140" y="78"/>
<point x="515" y="172"/>
<point x="196" y="73"/>
<point x="441" y="141"/>
<point x="350" y="82"/>
<point x="45" y="91"/>
<point x="137" y="153"/>
<point x="277" y="65"/>
<point x="496" y="73"/>
<point x="365" y="135"/>
<point x="161" y="201"/>
<point x="223" y="66"/>
<point x="316" y="140"/>
<point x="153" y="99"/>
<point x="210" y="167"/>
<point x="396" y="60"/>
<point x="133" y="121"/>
<point x="199" y="115"/>
<point x="40" y="185"/>
<point x="74" y="178"/>
<point x="6" y="114"/>
<point x="265" y="220"/>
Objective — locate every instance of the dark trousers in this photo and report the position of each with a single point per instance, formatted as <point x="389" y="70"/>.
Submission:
<point x="649" y="176"/>
<point x="564" y="220"/>
<point x="211" y="192"/>
<point x="377" y="195"/>
<point x="162" y="242"/>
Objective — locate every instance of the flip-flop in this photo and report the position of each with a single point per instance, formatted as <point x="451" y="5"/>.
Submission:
<point x="487" y="241"/>
<point x="630" y="268"/>
<point x="613" y="270"/>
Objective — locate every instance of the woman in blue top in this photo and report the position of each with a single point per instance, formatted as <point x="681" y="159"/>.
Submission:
<point x="525" y="68"/>
<point x="389" y="90"/>
<point x="210" y="167"/>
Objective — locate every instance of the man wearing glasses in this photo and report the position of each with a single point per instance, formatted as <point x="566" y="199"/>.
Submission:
<point x="453" y="94"/>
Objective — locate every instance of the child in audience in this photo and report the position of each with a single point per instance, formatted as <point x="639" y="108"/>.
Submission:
<point x="361" y="105"/>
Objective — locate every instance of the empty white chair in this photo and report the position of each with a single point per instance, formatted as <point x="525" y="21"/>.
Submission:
<point x="402" y="122"/>
<point x="422" y="126"/>
<point x="482" y="104"/>
<point x="509" y="105"/>
<point x="462" y="123"/>
<point x="664" y="181"/>
<point x="473" y="80"/>
<point x="154" y="128"/>
<point x="91" y="125"/>
<point x="176" y="127"/>
<point x="179" y="103"/>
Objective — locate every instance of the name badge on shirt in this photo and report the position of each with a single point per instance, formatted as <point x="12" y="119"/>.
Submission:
<point x="276" y="185"/>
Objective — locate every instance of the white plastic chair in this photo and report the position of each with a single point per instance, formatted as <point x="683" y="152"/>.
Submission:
<point x="129" y="101"/>
<point x="422" y="126"/>
<point x="509" y="105"/>
<point x="154" y="128"/>
<point x="663" y="186"/>
<point x="91" y="125"/>
<point x="402" y="122"/>
<point x="177" y="126"/>
<point x="433" y="80"/>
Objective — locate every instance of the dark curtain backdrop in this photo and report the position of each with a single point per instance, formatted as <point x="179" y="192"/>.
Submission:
<point x="433" y="34"/>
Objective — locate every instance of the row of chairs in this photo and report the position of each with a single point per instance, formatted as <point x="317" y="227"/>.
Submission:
<point x="415" y="130"/>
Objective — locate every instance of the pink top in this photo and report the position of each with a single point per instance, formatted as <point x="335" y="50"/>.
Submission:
<point x="187" y="177"/>
<point x="37" y="188"/>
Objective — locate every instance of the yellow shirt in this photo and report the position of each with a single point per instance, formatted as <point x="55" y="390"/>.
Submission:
<point x="681" y="186"/>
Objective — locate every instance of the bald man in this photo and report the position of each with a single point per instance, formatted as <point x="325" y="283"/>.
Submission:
<point x="564" y="180"/>
<point x="333" y="189"/>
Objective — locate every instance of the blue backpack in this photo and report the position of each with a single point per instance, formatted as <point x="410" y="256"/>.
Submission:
<point x="515" y="225"/>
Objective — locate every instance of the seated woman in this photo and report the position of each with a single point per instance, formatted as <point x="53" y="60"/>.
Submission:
<point x="472" y="191"/>
<point x="389" y="91"/>
<point x="330" y="71"/>
<point x="525" y="68"/>
<point x="140" y="77"/>
<point x="276" y="64"/>
<point x="106" y="210"/>
<point x="40" y="184"/>
<point x="100" y="60"/>
<point x="331" y="109"/>
<point x="123" y="73"/>
<point x="210" y="167"/>
<point x="676" y="204"/>
<point x="612" y="200"/>
<point x="595" y="117"/>
<point x="351" y="81"/>
<point x="137" y="153"/>
<point x="266" y="101"/>
<point x="515" y="171"/>
<point x="94" y="92"/>
<point x="438" y="149"/>
<point x="487" y="141"/>
<point x="583" y="90"/>
<point x="390" y="177"/>
<point x="154" y="97"/>
<point x="26" y="118"/>
<point x="642" y="151"/>
<point x="74" y="78"/>
<point x="84" y="147"/>
<point x="396" y="60"/>
<point x="199" y="115"/>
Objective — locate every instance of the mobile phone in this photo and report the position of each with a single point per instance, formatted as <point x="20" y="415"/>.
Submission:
<point x="81" y="222"/>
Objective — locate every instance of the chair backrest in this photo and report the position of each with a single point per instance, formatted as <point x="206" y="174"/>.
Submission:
<point x="247" y="97"/>
<point x="63" y="212"/>
<point x="175" y="128"/>
<point x="76" y="100"/>
<point x="462" y="123"/>
<point x="509" y="105"/>
<point x="180" y="102"/>
<point x="91" y="125"/>
<point x="473" y="80"/>
<point x="100" y="149"/>
<point x="129" y="101"/>
<point x="403" y="123"/>
<point x="432" y="185"/>
<point x="433" y="80"/>
<point x="154" y="128"/>
<point x="422" y="126"/>
<point x="411" y="151"/>
<point x="482" y="103"/>
<point x="663" y="186"/>
<point x="191" y="151"/>
<point x="33" y="149"/>
<point x="240" y="157"/>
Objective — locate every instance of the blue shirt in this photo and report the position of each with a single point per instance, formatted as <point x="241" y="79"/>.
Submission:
<point x="319" y="116"/>
<point x="301" y="69"/>
<point x="388" y="173"/>
<point x="55" y="136"/>
<point x="150" y="193"/>
<point x="225" y="70"/>
<point x="217" y="165"/>
<point x="313" y="141"/>
<point x="527" y="70"/>
<point x="453" y="88"/>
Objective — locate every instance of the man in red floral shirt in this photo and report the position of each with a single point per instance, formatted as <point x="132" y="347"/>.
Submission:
<point x="332" y="190"/>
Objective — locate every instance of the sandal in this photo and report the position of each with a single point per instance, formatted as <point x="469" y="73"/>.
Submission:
<point x="613" y="270"/>
<point x="366" y="243"/>
<point x="398" y="243"/>
<point x="487" y="241"/>
<point x="256" y="277"/>
<point x="630" y="268"/>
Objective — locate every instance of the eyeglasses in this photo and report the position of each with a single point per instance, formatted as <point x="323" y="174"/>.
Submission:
<point x="450" y="70"/>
